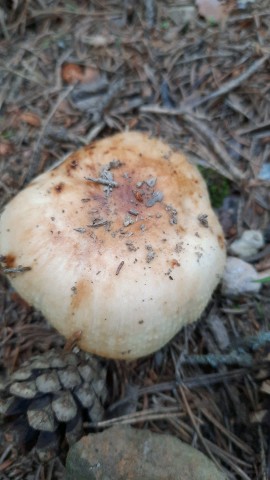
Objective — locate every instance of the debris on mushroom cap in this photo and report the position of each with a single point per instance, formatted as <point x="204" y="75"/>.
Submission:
<point x="89" y="264"/>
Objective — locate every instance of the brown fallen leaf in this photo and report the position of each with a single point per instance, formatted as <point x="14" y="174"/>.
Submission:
<point x="265" y="263"/>
<point x="72" y="73"/>
<point x="90" y="74"/>
<point x="6" y="148"/>
<point x="30" y="118"/>
<point x="212" y="10"/>
<point x="5" y="465"/>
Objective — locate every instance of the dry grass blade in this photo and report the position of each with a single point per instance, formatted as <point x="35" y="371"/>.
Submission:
<point x="143" y="416"/>
<point x="195" y="425"/>
<point x="230" y="460"/>
<point x="34" y="167"/>
<point x="243" y="446"/>
<point x="233" y="172"/>
<point x="227" y="87"/>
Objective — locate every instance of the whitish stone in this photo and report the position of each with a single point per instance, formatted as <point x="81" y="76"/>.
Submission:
<point x="248" y="244"/>
<point x="239" y="277"/>
<point x="122" y="453"/>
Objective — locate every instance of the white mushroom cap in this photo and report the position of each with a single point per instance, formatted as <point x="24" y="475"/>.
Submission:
<point x="127" y="264"/>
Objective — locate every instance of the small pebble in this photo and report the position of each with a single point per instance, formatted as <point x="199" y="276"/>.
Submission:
<point x="239" y="277"/>
<point x="248" y="244"/>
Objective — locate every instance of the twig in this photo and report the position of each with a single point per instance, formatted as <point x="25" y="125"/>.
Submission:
<point x="196" y="427"/>
<point x="233" y="438"/>
<point x="93" y="133"/>
<point x="229" y="459"/>
<point x="255" y="342"/>
<point x="102" y="181"/>
<point x="114" y="89"/>
<point x="232" y="84"/>
<point x="3" y="25"/>
<point x="19" y="74"/>
<point x="19" y="269"/>
<point x="224" y="89"/>
<point x="215" y="359"/>
<point x="5" y="453"/>
<point x="196" y="382"/>
<point x="143" y="416"/>
<point x="35" y="162"/>
<point x="262" y="454"/>
<point x="210" y="136"/>
<point x="98" y="223"/>
<point x="119" y="268"/>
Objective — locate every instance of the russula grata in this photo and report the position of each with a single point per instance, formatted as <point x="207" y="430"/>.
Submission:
<point x="118" y="242"/>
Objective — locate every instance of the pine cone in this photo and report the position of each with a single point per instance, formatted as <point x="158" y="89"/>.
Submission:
<point x="46" y="400"/>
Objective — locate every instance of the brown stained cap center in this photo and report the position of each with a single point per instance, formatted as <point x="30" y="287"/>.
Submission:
<point x="8" y="260"/>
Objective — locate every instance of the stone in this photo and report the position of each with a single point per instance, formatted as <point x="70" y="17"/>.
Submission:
<point x="125" y="453"/>
<point x="239" y="277"/>
<point x="248" y="244"/>
<point x="181" y="14"/>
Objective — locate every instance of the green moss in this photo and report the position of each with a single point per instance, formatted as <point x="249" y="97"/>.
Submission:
<point x="165" y="24"/>
<point x="8" y="134"/>
<point x="218" y="186"/>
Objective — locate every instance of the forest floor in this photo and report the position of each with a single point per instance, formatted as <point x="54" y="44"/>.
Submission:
<point x="196" y="74"/>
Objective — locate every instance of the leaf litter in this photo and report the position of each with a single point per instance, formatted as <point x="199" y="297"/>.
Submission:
<point x="198" y="76"/>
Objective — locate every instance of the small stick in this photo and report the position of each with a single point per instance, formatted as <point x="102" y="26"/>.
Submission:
<point x="222" y="90"/>
<point x="102" y="181"/>
<point x="120" y="266"/>
<point x="216" y="145"/>
<point x="214" y="359"/>
<point x="35" y="161"/>
<point x="19" y="269"/>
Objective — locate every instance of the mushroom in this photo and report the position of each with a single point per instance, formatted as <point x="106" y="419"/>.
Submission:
<point x="119" y="242"/>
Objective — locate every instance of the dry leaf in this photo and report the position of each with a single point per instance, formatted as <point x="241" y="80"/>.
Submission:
<point x="6" y="148"/>
<point x="212" y="10"/>
<point x="99" y="40"/>
<point x="72" y="73"/>
<point x="264" y="264"/>
<point x="30" y="118"/>
<point x="90" y="74"/>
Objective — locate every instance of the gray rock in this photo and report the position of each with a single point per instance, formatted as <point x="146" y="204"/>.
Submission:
<point x="239" y="277"/>
<point x="125" y="453"/>
<point x="248" y="244"/>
